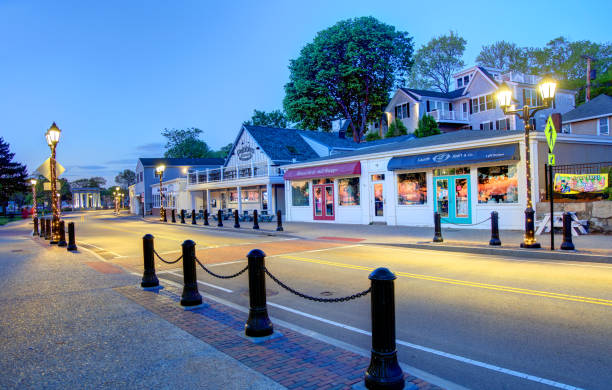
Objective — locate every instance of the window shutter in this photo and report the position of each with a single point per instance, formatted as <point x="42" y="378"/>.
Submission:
<point x="481" y="126"/>
<point x="470" y="106"/>
<point x="450" y="106"/>
<point x="428" y="106"/>
<point x="407" y="110"/>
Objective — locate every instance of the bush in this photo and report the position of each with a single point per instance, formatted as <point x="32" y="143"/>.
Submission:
<point x="396" y="128"/>
<point x="372" y="136"/>
<point x="607" y="193"/>
<point x="427" y="126"/>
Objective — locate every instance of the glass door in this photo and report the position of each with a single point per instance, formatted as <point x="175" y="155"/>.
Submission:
<point x="323" y="207"/>
<point x="453" y="199"/>
<point x="379" y="201"/>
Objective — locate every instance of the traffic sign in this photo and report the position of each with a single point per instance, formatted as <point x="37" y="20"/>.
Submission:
<point x="45" y="169"/>
<point x="551" y="159"/>
<point x="551" y="134"/>
<point x="47" y="185"/>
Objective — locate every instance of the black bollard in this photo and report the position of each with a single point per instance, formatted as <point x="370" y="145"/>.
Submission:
<point x="255" y="220"/>
<point x="62" y="234"/>
<point x="279" y="222"/>
<point x="219" y="218"/>
<point x="71" y="241"/>
<point x="437" y="228"/>
<point x="191" y="296"/>
<point x="205" y="217"/>
<point x="258" y="324"/>
<point x="165" y="218"/>
<point x="173" y="216"/>
<point x="384" y="371"/>
<point x="42" y="232"/>
<point x="236" y="219"/>
<point x="149" y="279"/>
<point x="182" y="216"/>
<point x="529" y="240"/>
<point x="193" y="221"/>
<point x="494" y="229"/>
<point x="567" y="244"/>
<point x="35" y="231"/>
<point x="48" y="229"/>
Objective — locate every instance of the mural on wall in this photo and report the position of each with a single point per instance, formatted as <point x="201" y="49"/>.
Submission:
<point x="566" y="183"/>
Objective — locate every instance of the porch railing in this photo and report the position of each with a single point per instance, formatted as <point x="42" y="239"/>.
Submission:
<point x="231" y="173"/>
<point x="456" y="115"/>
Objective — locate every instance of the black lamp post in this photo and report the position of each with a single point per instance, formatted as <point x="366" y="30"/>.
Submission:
<point x="159" y="171"/>
<point x="52" y="136"/>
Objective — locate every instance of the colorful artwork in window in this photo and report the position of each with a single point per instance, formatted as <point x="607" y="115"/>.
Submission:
<point x="348" y="191"/>
<point x="299" y="193"/>
<point x="411" y="188"/>
<point x="497" y="184"/>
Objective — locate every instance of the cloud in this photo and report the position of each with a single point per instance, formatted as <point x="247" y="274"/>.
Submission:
<point x="91" y="167"/>
<point x="122" y="161"/>
<point x="151" y="147"/>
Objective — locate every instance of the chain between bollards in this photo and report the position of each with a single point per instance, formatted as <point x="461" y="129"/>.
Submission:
<point x="62" y="234"/>
<point x="71" y="239"/>
<point x="236" y="219"/>
<point x="495" y="241"/>
<point x="149" y="279"/>
<point x="567" y="244"/>
<point x="219" y="218"/>
<point x="221" y="276"/>
<point x="279" y="222"/>
<point x="255" y="220"/>
<point x="182" y="216"/>
<point x="193" y="217"/>
<point x="437" y="228"/>
<point x="258" y="323"/>
<point x="191" y="296"/>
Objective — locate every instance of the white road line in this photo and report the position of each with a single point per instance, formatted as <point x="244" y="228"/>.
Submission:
<point x="315" y="250"/>
<point x="204" y="283"/>
<point x="102" y="249"/>
<point x="459" y="358"/>
<point x="228" y="262"/>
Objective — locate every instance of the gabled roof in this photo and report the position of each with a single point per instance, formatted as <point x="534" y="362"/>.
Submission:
<point x="281" y="145"/>
<point x="171" y="162"/>
<point x="488" y="75"/>
<point x="416" y="93"/>
<point x="597" y="107"/>
<point x="330" y="139"/>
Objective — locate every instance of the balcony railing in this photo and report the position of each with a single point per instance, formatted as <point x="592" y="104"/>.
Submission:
<point x="456" y="116"/>
<point x="232" y="173"/>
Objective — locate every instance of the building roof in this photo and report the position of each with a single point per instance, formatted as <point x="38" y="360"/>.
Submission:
<point x="171" y="162"/>
<point x="281" y="145"/>
<point x="489" y="75"/>
<point x="599" y="106"/>
<point x="331" y="139"/>
<point x="422" y="92"/>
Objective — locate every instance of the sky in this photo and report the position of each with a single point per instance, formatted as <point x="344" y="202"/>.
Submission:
<point x="113" y="74"/>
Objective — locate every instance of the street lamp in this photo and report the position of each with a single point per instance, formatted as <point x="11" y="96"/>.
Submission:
<point x="159" y="170"/>
<point x="35" y="210"/>
<point x="546" y="87"/>
<point x="117" y="207"/>
<point x="52" y="136"/>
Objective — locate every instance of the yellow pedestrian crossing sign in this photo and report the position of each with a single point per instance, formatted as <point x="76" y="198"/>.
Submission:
<point x="551" y="135"/>
<point x="551" y="159"/>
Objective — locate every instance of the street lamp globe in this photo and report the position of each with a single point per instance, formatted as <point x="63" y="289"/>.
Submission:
<point x="504" y="96"/>
<point x="547" y="88"/>
<point x="33" y="182"/>
<point x="53" y="135"/>
<point x="160" y="169"/>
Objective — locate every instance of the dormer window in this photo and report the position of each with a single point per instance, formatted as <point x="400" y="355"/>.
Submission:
<point x="460" y="82"/>
<point x="466" y="80"/>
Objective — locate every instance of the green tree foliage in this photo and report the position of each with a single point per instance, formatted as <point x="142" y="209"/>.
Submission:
<point x="347" y="71"/>
<point x="372" y="136"/>
<point x="185" y="143"/>
<point x="13" y="175"/>
<point x="126" y="178"/>
<point x="223" y="152"/>
<point x="92" y="182"/>
<point x="396" y="128"/>
<point x="427" y="126"/>
<point x="436" y="62"/>
<point x="503" y="55"/>
<point x="275" y="118"/>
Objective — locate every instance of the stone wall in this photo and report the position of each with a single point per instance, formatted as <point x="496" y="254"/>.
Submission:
<point x="599" y="214"/>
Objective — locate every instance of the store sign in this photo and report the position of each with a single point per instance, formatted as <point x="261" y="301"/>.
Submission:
<point x="245" y="153"/>
<point x="566" y="183"/>
<point x="333" y="170"/>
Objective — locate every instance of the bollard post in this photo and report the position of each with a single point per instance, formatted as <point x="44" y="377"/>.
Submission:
<point x="35" y="231"/>
<point x="71" y="241"/>
<point x="165" y="215"/>
<point x="279" y="222"/>
<point x="173" y="216"/>
<point x="193" y="217"/>
<point x="149" y="279"/>
<point x="258" y="324"/>
<point x="236" y="219"/>
<point x="567" y="244"/>
<point x="205" y="217"/>
<point x="255" y="220"/>
<point x="191" y="296"/>
<point x="182" y="215"/>
<point x="42" y="232"/>
<point x="384" y="371"/>
<point x="48" y="229"/>
<point x="62" y="234"/>
<point x="219" y="218"/>
<point x="494" y="229"/>
<point x="437" y="228"/>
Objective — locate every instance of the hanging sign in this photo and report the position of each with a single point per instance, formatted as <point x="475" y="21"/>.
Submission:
<point x="551" y="134"/>
<point x="566" y="183"/>
<point x="47" y="185"/>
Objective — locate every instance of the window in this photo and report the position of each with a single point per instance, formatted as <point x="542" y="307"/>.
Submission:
<point x="411" y="188"/>
<point x="299" y="193"/>
<point x="532" y="97"/>
<point x="459" y="82"/>
<point x="250" y="196"/>
<point x="482" y="104"/>
<point x="475" y="105"/>
<point x="348" y="191"/>
<point x="566" y="128"/>
<point x="322" y="181"/>
<point x="451" y="171"/>
<point x="402" y="111"/>
<point x="466" y="80"/>
<point x="502" y="124"/>
<point x="604" y="129"/>
<point x="378" y="177"/>
<point x="490" y="102"/>
<point x="498" y="184"/>
<point x="532" y="121"/>
<point x="486" y="126"/>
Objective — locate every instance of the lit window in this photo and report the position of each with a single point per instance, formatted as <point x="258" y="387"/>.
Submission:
<point x="300" y="193"/>
<point x="481" y="103"/>
<point x="490" y="102"/>
<point x="604" y="129"/>
<point x="348" y="191"/>
<point x="566" y="128"/>
<point x="475" y="105"/>
<point x="411" y="188"/>
<point x="497" y="184"/>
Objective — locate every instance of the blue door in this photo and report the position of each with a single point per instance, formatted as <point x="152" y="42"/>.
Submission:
<point x="452" y="198"/>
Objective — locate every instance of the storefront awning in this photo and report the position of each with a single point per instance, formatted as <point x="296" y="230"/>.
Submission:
<point x="455" y="157"/>
<point x="332" y="170"/>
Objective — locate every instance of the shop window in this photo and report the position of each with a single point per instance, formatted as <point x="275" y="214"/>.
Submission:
<point x="497" y="184"/>
<point x="411" y="188"/>
<point x="250" y="196"/>
<point x="299" y="193"/>
<point x="233" y="196"/>
<point x="451" y="171"/>
<point x="379" y="177"/>
<point x="348" y="191"/>
<point x="322" y="181"/>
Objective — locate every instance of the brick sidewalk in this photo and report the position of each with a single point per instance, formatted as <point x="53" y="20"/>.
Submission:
<point x="293" y="360"/>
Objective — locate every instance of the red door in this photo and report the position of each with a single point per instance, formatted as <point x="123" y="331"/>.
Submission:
<point x="323" y="207"/>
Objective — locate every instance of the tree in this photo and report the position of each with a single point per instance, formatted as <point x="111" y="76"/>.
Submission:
<point x="185" y="143"/>
<point x="503" y="55"/>
<point x="427" y="126"/>
<point x="13" y="175"/>
<point x="396" y="128"/>
<point x="437" y="61"/>
<point x="93" y="182"/>
<point x="223" y="152"/>
<point x="347" y="72"/>
<point x="275" y="118"/>
<point x="126" y="178"/>
<point x="372" y="136"/>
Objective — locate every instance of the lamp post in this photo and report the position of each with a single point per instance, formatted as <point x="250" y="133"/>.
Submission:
<point x="35" y="210"/>
<point x="547" y="88"/>
<point x="160" y="172"/>
<point x="52" y="136"/>
<point x="117" y="206"/>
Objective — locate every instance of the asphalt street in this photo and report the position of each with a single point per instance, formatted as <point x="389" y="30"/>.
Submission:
<point x="482" y="322"/>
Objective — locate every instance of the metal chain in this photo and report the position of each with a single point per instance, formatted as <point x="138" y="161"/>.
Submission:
<point x="317" y="299"/>
<point x="166" y="261"/>
<point x="464" y="224"/>
<point x="222" y="276"/>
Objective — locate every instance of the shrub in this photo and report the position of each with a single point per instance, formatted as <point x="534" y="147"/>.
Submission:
<point x="396" y="128"/>
<point x="372" y="136"/>
<point x="427" y="126"/>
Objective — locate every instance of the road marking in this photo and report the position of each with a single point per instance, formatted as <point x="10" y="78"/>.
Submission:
<point x="452" y="356"/>
<point x="102" y="249"/>
<point x="316" y="250"/>
<point x="204" y="283"/>
<point x="517" y="290"/>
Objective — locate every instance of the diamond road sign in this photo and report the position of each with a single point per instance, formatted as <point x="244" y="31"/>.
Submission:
<point x="551" y="134"/>
<point x="551" y="159"/>
<point x="45" y="169"/>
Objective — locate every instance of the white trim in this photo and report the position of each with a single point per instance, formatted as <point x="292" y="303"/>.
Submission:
<point x="587" y="118"/>
<point x="477" y="69"/>
<point x="574" y="138"/>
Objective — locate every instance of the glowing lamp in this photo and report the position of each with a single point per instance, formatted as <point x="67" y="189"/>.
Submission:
<point x="33" y="182"/>
<point x="53" y="135"/>
<point x="547" y="88"/>
<point x="504" y="95"/>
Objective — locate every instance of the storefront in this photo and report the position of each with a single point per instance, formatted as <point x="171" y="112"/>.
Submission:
<point x="175" y="195"/>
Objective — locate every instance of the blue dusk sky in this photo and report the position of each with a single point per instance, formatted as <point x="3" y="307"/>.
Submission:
<point x="113" y="74"/>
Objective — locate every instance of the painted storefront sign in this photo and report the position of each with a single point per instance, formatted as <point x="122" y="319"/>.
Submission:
<point x="566" y="183"/>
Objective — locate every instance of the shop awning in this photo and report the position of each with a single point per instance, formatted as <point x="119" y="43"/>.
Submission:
<point x="332" y="170"/>
<point x="455" y="157"/>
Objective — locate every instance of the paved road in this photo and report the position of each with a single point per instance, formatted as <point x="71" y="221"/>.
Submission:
<point x="477" y="321"/>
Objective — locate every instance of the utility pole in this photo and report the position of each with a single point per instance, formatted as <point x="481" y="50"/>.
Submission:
<point x="588" y="84"/>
